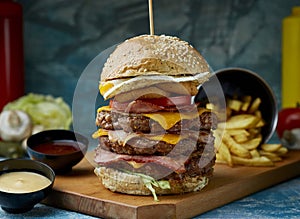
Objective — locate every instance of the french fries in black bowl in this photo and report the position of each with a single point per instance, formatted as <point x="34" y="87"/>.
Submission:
<point x="250" y="119"/>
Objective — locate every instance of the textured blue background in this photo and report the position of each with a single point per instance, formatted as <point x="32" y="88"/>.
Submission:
<point x="62" y="37"/>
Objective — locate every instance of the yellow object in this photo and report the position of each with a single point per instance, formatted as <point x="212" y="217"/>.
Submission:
<point x="168" y="119"/>
<point x="104" y="108"/>
<point x="104" y="87"/>
<point x="291" y="59"/>
<point x="99" y="133"/>
<point x="168" y="138"/>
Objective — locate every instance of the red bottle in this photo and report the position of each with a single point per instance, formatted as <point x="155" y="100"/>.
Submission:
<point x="11" y="52"/>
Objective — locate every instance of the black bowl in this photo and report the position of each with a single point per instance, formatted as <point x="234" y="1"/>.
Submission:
<point x="240" y="82"/>
<point x="60" y="163"/>
<point x="23" y="202"/>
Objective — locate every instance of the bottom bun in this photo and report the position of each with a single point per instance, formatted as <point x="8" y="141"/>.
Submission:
<point x="118" y="181"/>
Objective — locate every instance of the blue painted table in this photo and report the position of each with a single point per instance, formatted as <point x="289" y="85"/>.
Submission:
<point x="280" y="201"/>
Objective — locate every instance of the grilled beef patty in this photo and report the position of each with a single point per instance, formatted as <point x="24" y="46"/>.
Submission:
<point x="113" y="120"/>
<point x="144" y="146"/>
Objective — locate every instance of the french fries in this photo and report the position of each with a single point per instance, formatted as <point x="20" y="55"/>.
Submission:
<point x="239" y="138"/>
<point x="255" y="161"/>
<point x="234" y="147"/>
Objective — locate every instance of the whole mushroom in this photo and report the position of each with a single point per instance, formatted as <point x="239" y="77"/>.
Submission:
<point x="15" y="125"/>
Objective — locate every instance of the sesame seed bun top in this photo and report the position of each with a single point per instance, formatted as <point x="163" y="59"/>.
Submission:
<point x="153" y="55"/>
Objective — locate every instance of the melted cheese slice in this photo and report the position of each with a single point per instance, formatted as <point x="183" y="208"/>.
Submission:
<point x="99" y="133"/>
<point x="104" y="108"/>
<point x="168" y="138"/>
<point x="104" y="87"/>
<point x="166" y="119"/>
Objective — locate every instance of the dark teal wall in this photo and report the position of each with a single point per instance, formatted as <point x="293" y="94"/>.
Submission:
<point x="62" y="37"/>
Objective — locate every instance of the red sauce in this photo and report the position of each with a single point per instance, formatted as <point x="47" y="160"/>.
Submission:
<point x="58" y="147"/>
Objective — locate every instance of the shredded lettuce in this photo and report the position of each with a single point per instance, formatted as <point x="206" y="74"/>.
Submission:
<point x="45" y="110"/>
<point x="149" y="182"/>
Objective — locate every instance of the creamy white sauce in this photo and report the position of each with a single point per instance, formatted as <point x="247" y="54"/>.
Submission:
<point x="22" y="182"/>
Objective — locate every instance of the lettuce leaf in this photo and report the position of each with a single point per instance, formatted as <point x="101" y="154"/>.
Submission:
<point x="45" y="110"/>
<point x="149" y="182"/>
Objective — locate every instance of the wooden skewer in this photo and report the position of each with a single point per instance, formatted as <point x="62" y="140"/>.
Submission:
<point x="151" y="17"/>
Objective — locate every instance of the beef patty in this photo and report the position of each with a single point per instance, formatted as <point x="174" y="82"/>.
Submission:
<point x="113" y="120"/>
<point x="140" y="145"/>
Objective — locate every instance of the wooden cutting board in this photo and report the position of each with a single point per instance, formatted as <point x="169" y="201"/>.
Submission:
<point x="81" y="191"/>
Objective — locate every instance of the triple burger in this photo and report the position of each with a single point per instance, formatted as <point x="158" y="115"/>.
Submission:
<point x="153" y="138"/>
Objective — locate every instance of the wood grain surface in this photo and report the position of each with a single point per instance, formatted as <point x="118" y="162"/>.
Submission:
<point x="81" y="191"/>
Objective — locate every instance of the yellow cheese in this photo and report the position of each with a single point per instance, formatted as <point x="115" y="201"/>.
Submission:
<point x="104" y="108"/>
<point x="104" y="87"/>
<point x="168" y="119"/>
<point x="168" y="138"/>
<point x="99" y="133"/>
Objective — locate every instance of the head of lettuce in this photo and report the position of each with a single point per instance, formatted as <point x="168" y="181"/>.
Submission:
<point x="44" y="110"/>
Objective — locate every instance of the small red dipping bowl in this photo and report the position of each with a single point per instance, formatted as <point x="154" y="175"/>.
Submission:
<point x="60" y="149"/>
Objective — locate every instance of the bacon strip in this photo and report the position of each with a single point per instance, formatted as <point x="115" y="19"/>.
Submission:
<point x="104" y="157"/>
